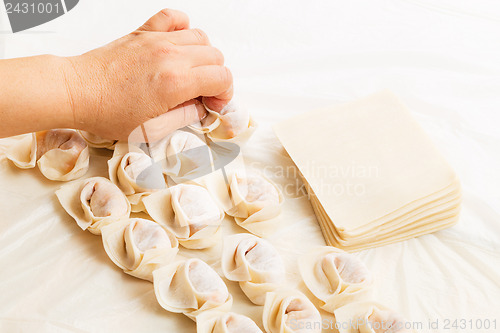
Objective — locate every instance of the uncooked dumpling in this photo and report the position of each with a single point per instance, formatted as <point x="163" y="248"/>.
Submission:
<point x="184" y="155"/>
<point x="288" y="311"/>
<point x="128" y="168"/>
<point x="139" y="246"/>
<point x="254" y="263"/>
<point x="60" y="154"/>
<point x="335" y="277"/>
<point x="370" y="317"/>
<point x="232" y="123"/>
<point x="191" y="287"/>
<point x="96" y="141"/>
<point x="190" y="212"/>
<point x="256" y="201"/>
<point x="93" y="203"/>
<point x="225" y="322"/>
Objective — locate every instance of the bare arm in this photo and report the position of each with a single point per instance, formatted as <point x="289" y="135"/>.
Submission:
<point x="156" y="72"/>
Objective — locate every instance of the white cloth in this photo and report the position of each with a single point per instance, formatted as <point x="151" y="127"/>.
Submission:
<point x="287" y="57"/>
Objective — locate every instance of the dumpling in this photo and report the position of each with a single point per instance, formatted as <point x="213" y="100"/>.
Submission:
<point x="96" y="141"/>
<point x="190" y="212"/>
<point x="128" y="168"/>
<point x="335" y="277"/>
<point x="254" y="263"/>
<point x="370" y="317"/>
<point x="288" y="311"/>
<point x="139" y="246"/>
<point x="255" y="202"/>
<point x="232" y="123"/>
<point x="225" y="322"/>
<point x="191" y="287"/>
<point x="184" y="156"/>
<point x="93" y="203"/>
<point x="60" y="154"/>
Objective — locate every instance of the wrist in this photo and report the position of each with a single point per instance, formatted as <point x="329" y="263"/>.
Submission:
<point x="83" y="90"/>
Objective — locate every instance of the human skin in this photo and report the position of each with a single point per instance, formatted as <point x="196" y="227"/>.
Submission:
<point x="138" y="88"/>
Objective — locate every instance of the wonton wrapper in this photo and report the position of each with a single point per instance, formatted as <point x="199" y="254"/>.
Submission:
<point x="335" y="277"/>
<point x="184" y="155"/>
<point x="225" y="322"/>
<point x="254" y="263"/>
<point x="289" y="311"/>
<point x="370" y="317"/>
<point x="232" y="124"/>
<point x="139" y="246"/>
<point x="254" y="201"/>
<point x="127" y="163"/>
<point x="93" y="203"/>
<point x="96" y="141"/>
<point x="60" y="154"/>
<point x="190" y="212"/>
<point x="191" y="287"/>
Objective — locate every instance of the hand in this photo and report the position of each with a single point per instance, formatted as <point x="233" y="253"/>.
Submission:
<point x="153" y="75"/>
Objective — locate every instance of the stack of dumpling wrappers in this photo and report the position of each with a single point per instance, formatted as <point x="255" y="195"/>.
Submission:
<point x="373" y="175"/>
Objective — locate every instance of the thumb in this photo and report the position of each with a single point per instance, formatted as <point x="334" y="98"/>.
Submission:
<point x="157" y="128"/>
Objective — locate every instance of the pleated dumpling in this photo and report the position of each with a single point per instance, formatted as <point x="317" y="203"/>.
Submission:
<point x="255" y="202"/>
<point x="133" y="172"/>
<point x="232" y="123"/>
<point x="60" y="154"/>
<point x="93" y="203"/>
<point x="289" y="311"/>
<point x="335" y="277"/>
<point x="190" y="212"/>
<point x="139" y="246"/>
<point x="254" y="263"/>
<point x="370" y="317"/>
<point x="225" y="322"/>
<point x="184" y="155"/>
<point x="191" y="287"/>
<point x="96" y="141"/>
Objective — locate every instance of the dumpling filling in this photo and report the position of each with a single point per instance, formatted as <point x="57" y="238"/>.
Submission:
<point x="263" y="257"/>
<point x="241" y="324"/>
<point x="301" y="318"/>
<point x="148" y="235"/>
<point x="136" y="163"/>
<point x="234" y="121"/>
<point x="258" y="190"/>
<point x="199" y="207"/>
<point x="207" y="283"/>
<point x="58" y="138"/>
<point x="349" y="267"/>
<point x="105" y="199"/>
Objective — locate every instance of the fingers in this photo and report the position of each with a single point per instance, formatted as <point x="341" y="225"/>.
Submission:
<point x="159" y="127"/>
<point x="217" y="103"/>
<point x="198" y="55"/>
<point x="188" y="37"/>
<point x="166" y="20"/>
<point x="209" y="81"/>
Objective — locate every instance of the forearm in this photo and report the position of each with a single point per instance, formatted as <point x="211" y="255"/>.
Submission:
<point x="34" y="95"/>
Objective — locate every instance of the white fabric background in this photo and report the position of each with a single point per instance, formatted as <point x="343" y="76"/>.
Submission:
<point x="441" y="57"/>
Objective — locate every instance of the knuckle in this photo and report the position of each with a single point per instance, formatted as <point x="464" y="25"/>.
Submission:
<point x="172" y="78"/>
<point x="166" y="49"/>
<point x="200" y="36"/>
<point x="219" y="57"/>
<point x="225" y="76"/>
<point x="166" y="13"/>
